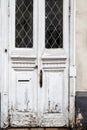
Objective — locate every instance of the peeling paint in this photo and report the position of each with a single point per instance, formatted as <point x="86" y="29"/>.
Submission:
<point x="23" y="119"/>
<point x="54" y="107"/>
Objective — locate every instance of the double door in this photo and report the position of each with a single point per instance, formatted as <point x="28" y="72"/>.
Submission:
<point x="38" y="63"/>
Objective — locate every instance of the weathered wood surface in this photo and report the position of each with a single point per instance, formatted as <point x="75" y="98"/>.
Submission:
<point x="23" y="96"/>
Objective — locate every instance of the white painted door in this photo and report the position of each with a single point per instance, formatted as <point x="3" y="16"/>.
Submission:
<point x="23" y="88"/>
<point x="38" y="63"/>
<point x="53" y="62"/>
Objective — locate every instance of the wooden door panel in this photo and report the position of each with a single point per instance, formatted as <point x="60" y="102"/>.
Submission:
<point x="25" y="84"/>
<point x="22" y="63"/>
<point x="54" y="86"/>
<point x="23" y="94"/>
<point x="54" y="98"/>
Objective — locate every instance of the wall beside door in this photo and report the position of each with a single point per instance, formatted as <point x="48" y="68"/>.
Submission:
<point x="81" y="63"/>
<point x="81" y="45"/>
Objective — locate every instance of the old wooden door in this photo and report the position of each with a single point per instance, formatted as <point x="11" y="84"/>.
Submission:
<point x="38" y="63"/>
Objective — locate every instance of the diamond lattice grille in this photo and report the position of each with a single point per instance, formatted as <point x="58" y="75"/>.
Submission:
<point x="54" y="24"/>
<point x="24" y="23"/>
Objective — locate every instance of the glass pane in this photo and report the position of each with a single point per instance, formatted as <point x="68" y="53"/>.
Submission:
<point x="54" y="24"/>
<point x="24" y="24"/>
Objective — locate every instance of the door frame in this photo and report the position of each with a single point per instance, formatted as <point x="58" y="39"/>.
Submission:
<point x="4" y="39"/>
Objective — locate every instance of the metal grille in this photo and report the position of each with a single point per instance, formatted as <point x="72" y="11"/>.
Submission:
<point x="24" y="24"/>
<point x="54" y="24"/>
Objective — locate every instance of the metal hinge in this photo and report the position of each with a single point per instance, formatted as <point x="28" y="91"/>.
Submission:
<point x="72" y="71"/>
<point x="69" y="10"/>
<point x="68" y="108"/>
<point x="8" y="8"/>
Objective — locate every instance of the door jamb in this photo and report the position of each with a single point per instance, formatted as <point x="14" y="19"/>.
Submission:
<point x="72" y="74"/>
<point x="4" y="63"/>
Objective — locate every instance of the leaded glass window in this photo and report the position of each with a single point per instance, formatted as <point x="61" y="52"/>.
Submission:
<point x="54" y="24"/>
<point x="24" y="24"/>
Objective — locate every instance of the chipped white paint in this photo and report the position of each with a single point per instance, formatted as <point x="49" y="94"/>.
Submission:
<point x="72" y="63"/>
<point x="4" y="62"/>
<point x="54" y="63"/>
<point x="23" y="76"/>
<point x="28" y="119"/>
<point x="30" y="104"/>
